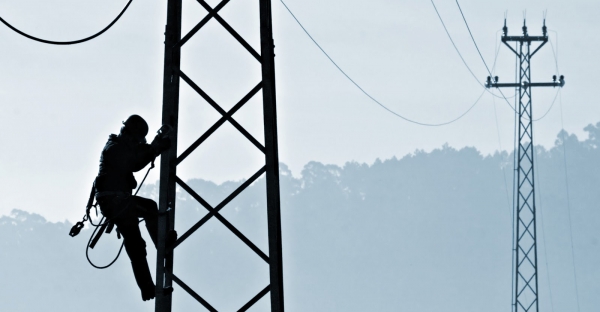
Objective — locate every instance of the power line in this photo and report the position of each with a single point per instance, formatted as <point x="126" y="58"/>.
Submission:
<point x="500" y="145"/>
<point x="482" y="59"/>
<point x="550" y="108"/>
<point x="539" y="195"/>
<point x="472" y="38"/>
<point x="497" y="50"/>
<point x="569" y="201"/>
<point x="367" y="94"/>
<point x="67" y="42"/>
<point x="490" y="72"/>
<point x="556" y="63"/>
<point x="458" y="51"/>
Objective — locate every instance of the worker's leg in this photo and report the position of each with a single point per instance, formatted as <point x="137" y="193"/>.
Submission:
<point x="135" y="246"/>
<point x="147" y="209"/>
<point x="124" y="215"/>
<point x="122" y="211"/>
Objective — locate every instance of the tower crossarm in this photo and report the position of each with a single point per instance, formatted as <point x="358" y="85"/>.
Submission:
<point x="555" y="84"/>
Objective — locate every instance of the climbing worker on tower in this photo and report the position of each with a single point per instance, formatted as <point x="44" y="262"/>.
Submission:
<point x="123" y="155"/>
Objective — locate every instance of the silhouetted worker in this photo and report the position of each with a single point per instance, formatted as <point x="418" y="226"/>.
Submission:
<point x="124" y="154"/>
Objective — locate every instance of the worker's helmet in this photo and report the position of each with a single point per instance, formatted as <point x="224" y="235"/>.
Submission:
<point x="135" y="126"/>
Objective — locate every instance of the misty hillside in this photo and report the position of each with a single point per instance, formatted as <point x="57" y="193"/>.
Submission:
<point x="429" y="232"/>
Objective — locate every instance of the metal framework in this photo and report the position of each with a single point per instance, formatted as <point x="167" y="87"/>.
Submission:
<point x="526" y="264"/>
<point x="169" y="160"/>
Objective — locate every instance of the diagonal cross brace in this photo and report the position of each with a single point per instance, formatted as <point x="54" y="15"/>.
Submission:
<point x="221" y="111"/>
<point x="255" y="299"/>
<point x="192" y="293"/>
<point x="215" y="212"/>
<point x="223" y="23"/>
<point x="219" y="123"/>
<point x="201" y="24"/>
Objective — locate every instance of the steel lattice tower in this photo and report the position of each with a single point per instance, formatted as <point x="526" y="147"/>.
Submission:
<point x="526" y="261"/>
<point x="169" y="160"/>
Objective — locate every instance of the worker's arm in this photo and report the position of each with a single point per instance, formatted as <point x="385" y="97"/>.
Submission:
<point x="145" y="153"/>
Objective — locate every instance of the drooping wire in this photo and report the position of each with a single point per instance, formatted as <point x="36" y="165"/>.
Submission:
<point x="67" y="42"/>
<point x="510" y="211"/>
<point x="541" y="207"/>
<point x="472" y="38"/>
<point x="458" y="51"/>
<point x="555" y="54"/>
<point x="369" y="95"/>
<point x="482" y="59"/>
<point x="568" y="200"/>
<point x="549" y="108"/>
<point x="555" y="51"/>
<point x="500" y="145"/>
<point x="497" y="50"/>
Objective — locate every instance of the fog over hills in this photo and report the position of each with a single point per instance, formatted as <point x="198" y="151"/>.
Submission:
<point x="429" y="232"/>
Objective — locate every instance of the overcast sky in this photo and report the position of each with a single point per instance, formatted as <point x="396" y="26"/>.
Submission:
<point x="59" y="104"/>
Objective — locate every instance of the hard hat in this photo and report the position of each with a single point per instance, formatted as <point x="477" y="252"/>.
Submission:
<point x="136" y="126"/>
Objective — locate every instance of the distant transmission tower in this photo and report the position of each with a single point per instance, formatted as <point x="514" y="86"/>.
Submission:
<point x="170" y="160"/>
<point x="525" y="258"/>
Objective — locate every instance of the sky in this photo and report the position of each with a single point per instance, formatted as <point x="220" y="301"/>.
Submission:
<point x="58" y="104"/>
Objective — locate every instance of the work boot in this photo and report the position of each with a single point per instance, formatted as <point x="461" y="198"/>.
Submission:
<point x="148" y="292"/>
<point x="141" y="272"/>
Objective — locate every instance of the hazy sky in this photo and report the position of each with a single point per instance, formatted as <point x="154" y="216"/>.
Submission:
<point x="59" y="104"/>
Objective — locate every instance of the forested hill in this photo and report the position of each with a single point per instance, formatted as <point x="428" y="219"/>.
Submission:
<point x="428" y="232"/>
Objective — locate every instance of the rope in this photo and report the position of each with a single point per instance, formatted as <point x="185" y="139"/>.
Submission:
<point x="87" y="249"/>
<point x="367" y="94"/>
<point x="66" y="42"/>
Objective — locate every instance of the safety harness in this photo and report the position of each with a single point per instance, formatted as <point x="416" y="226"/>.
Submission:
<point x="104" y="226"/>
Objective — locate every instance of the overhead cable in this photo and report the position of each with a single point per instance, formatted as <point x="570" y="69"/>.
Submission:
<point x="557" y="91"/>
<point x="482" y="59"/>
<point x="541" y="209"/>
<point x="490" y="72"/>
<point x="67" y="42"/>
<point x="367" y="94"/>
<point x="564" y="143"/>
<point x="458" y="51"/>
